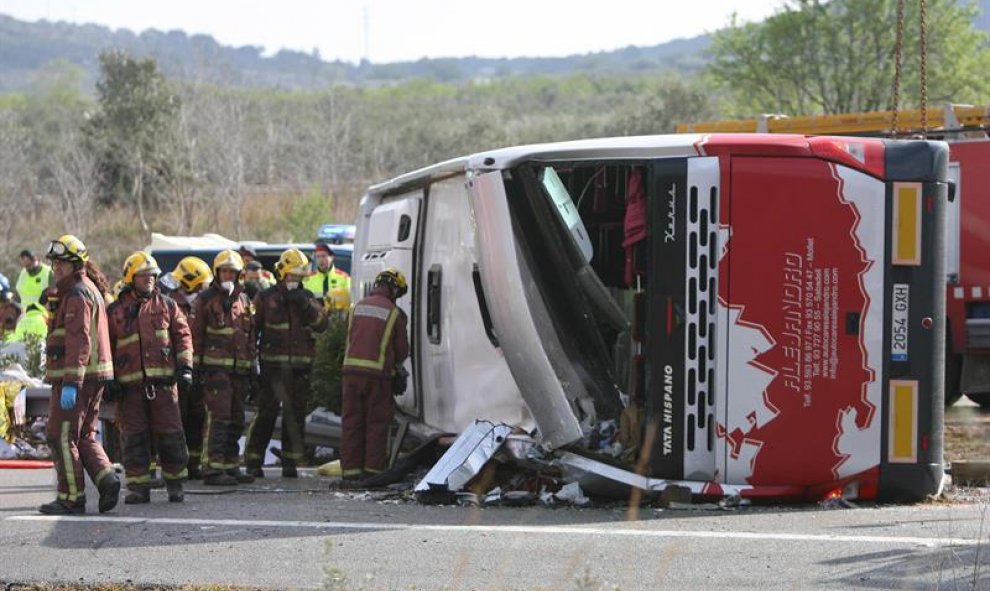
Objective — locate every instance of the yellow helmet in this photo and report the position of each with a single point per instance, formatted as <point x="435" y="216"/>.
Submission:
<point x="228" y="259"/>
<point x="138" y="263"/>
<point x="292" y="261"/>
<point x="192" y="273"/>
<point x="394" y="279"/>
<point x="68" y="248"/>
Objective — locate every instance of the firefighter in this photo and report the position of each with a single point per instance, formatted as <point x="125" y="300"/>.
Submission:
<point x="152" y="354"/>
<point x="225" y="349"/>
<point x="377" y="346"/>
<point x="190" y="277"/>
<point x="78" y="366"/>
<point x="249" y="255"/>
<point x="327" y="279"/>
<point x="286" y="316"/>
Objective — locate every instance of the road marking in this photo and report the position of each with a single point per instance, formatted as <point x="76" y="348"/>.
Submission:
<point x="618" y="531"/>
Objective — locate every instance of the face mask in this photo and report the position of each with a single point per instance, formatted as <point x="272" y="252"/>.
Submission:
<point x="290" y="285"/>
<point x="228" y="286"/>
<point x="191" y="297"/>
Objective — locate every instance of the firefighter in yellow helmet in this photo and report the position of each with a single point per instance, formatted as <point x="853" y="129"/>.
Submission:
<point x="287" y="316"/>
<point x="226" y="355"/>
<point x="377" y="347"/>
<point x="153" y="361"/>
<point x="78" y="366"/>
<point x="190" y="277"/>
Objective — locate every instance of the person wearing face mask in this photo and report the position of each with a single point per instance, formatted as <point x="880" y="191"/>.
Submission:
<point x="189" y="278"/>
<point x="152" y="353"/>
<point x="287" y="317"/>
<point x="226" y="355"/>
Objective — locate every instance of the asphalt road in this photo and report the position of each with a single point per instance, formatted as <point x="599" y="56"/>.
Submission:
<point x="298" y="534"/>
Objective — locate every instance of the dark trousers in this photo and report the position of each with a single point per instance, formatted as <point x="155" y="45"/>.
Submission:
<point x="284" y="387"/>
<point x="193" y="413"/>
<point x="71" y="437"/>
<point x="150" y="423"/>
<point x="366" y="419"/>
<point x="224" y="394"/>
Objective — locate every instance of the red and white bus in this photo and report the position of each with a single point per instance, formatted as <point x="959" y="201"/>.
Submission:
<point x="771" y="306"/>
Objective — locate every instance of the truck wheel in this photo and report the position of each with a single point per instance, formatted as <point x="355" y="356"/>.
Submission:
<point x="982" y="399"/>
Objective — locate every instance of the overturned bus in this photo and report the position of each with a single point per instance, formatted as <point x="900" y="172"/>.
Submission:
<point x="771" y="306"/>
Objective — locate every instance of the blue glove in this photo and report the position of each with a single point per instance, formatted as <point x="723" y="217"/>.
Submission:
<point x="69" y="392"/>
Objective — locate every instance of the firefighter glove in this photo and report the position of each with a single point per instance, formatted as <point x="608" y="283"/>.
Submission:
<point x="184" y="378"/>
<point x="400" y="381"/>
<point x="68" y="400"/>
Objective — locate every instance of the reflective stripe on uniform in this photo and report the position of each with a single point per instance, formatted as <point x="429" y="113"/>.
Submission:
<point x="185" y="356"/>
<point x="67" y="463"/>
<point x="139" y="479"/>
<point x="221" y="331"/>
<point x="278" y="326"/>
<point x="378" y="364"/>
<point x="372" y="311"/>
<point x="162" y="334"/>
<point x="273" y="358"/>
<point x="58" y="332"/>
<point x="181" y="475"/>
<point x="128" y="340"/>
<point x="221" y="361"/>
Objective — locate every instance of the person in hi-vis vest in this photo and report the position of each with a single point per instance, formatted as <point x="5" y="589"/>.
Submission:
<point x="35" y="277"/>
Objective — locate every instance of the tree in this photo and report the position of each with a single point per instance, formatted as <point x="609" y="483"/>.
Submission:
<point x="135" y="130"/>
<point x="837" y="56"/>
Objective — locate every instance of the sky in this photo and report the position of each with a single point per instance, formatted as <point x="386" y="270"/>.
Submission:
<point x="405" y="30"/>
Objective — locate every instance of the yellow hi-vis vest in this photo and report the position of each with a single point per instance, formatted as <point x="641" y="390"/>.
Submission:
<point x="320" y="283"/>
<point x="30" y="287"/>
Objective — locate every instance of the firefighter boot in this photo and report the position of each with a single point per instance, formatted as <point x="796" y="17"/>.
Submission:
<point x="239" y="476"/>
<point x="289" y="468"/>
<point x="219" y="479"/>
<point x="175" y="494"/>
<point x="195" y="472"/>
<point x="254" y="470"/>
<point x="137" y="494"/>
<point x="109" y="487"/>
<point x="58" y="507"/>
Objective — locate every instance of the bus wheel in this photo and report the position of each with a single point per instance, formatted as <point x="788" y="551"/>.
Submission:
<point x="982" y="399"/>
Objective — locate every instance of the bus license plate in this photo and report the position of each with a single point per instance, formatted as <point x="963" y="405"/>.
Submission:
<point x="899" y="328"/>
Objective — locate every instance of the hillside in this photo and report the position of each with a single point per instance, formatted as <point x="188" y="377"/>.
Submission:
<point x="25" y="47"/>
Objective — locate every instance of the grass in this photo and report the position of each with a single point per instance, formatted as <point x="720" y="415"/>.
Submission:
<point x="115" y="587"/>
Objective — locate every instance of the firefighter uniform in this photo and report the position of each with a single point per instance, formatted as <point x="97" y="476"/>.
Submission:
<point x="189" y="277"/>
<point x="78" y="366"/>
<point x="225" y="351"/>
<point x="152" y="351"/>
<point x="377" y="343"/>
<point x="286" y="320"/>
